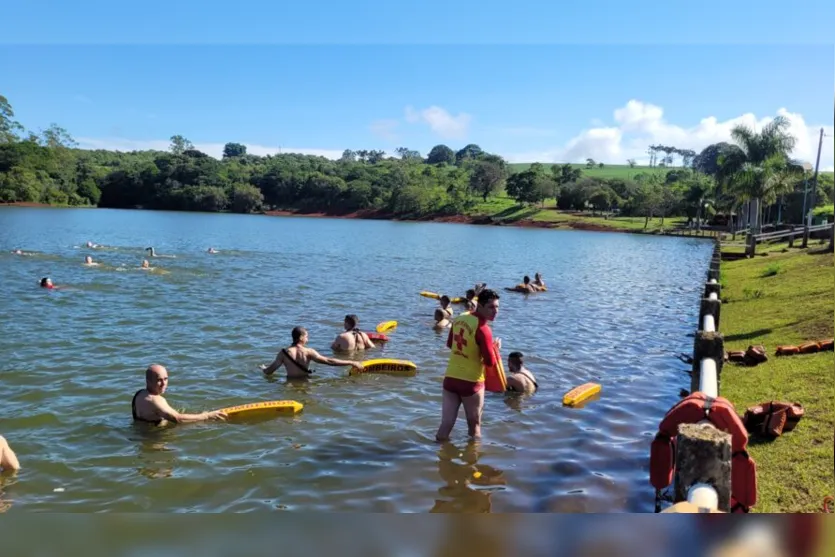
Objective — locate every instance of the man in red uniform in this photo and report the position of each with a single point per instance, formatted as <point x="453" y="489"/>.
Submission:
<point x="472" y="349"/>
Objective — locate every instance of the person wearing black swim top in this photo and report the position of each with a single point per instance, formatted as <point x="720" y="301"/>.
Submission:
<point x="297" y="358"/>
<point x="150" y="406"/>
<point x="519" y="378"/>
<point x="352" y="339"/>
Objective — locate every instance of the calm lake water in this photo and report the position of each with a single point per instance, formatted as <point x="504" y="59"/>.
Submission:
<point x="619" y="309"/>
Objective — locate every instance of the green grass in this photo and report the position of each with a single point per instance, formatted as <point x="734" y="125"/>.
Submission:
<point x="608" y="171"/>
<point x="504" y="209"/>
<point x="797" y="304"/>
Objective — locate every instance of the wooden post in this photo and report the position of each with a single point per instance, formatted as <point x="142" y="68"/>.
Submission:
<point x="750" y="245"/>
<point x="707" y="345"/>
<point x="703" y="456"/>
<point x="791" y="237"/>
<point x="805" y="235"/>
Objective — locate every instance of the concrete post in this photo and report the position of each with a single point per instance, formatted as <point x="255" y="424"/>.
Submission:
<point x="712" y="288"/>
<point x="710" y="307"/>
<point x="707" y="345"/>
<point x="791" y="238"/>
<point x="703" y="456"/>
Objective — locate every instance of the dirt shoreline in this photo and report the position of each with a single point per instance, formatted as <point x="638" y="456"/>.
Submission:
<point x="461" y="219"/>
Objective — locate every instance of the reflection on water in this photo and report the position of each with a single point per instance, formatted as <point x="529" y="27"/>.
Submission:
<point x="618" y="311"/>
<point x="457" y="495"/>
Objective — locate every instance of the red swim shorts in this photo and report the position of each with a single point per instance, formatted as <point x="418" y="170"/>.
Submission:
<point x="461" y="387"/>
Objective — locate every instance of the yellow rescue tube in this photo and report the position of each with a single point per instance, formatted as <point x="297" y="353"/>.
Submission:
<point x="272" y="406"/>
<point x="432" y="295"/>
<point x="458" y="300"/>
<point x="579" y="394"/>
<point x="388" y="366"/>
<point x="386" y="326"/>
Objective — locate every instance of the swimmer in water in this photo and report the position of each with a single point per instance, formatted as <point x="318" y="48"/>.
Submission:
<point x="146" y="265"/>
<point x="149" y="405"/>
<point x="212" y="250"/>
<point x="297" y="358"/>
<point x="471" y="300"/>
<point x="538" y="283"/>
<point x="151" y="252"/>
<point x="8" y="460"/>
<point x="89" y="262"/>
<point x="46" y="282"/>
<point x="91" y="245"/>
<point x="441" y="320"/>
<point x="446" y="305"/>
<point x="520" y="379"/>
<point x="352" y="338"/>
<point x="526" y="287"/>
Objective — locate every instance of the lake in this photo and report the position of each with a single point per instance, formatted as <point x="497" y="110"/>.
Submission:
<point x="620" y="307"/>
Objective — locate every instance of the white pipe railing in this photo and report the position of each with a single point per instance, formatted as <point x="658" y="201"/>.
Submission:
<point x="704" y="496"/>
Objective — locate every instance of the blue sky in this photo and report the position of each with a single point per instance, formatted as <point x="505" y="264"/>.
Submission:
<point x="130" y="77"/>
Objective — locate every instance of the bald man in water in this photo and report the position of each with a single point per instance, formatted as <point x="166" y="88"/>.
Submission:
<point x="150" y="406"/>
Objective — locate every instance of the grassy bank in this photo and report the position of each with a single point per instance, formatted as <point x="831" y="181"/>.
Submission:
<point x="622" y="171"/>
<point x="506" y="210"/>
<point x="785" y="298"/>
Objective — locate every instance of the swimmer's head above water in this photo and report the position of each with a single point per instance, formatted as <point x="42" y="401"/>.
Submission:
<point x="146" y="264"/>
<point x="351" y="322"/>
<point x="46" y="282"/>
<point x="156" y="379"/>
<point x="88" y="260"/>
<point x="299" y="335"/>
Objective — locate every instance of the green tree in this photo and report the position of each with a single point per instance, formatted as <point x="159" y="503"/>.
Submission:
<point x="246" y="198"/>
<point x="232" y="150"/>
<point x="9" y="128"/>
<point x="758" y="170"/>
<point x="180" y="144"/>
<point x="440" y="154"/>
<point x="486" y="177"/>
<point x="469" y="152"/>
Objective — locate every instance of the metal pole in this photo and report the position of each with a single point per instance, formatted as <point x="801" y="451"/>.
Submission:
<point x="815" y="178"/>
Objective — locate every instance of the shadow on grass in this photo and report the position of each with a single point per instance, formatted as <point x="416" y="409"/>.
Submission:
<point x="748" y="336"/>
<point x="513" y="216"/>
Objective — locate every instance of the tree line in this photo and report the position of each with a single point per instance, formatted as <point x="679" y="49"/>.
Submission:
<point x="47" y="167"/>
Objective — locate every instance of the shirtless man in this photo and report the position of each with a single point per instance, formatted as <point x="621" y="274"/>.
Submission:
<point x="538" y="283"/>
<point x="297" y="357"/>
<point x="520" y="379"/>
<point x="150" y="406"/>
<point x="8" y="460"/>
<point x="471" y="300"/>
<point x="446" y="306"/>
<point x="89" y="261"/>
<point x="352" y="339"/>
<point x="526" y="286"/>
<point x="441" y="320"/>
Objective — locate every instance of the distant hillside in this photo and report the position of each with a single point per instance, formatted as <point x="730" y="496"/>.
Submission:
<point x="622" y="171"/>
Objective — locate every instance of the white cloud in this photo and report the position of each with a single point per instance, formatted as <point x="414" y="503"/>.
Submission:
<point x="639" y="124"/>
<point x="212" y="149"/>
<point x="440" y="121"/>
<point x="385" y="129"/>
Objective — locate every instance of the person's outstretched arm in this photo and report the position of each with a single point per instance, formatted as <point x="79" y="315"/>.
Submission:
<point x="8" y="460"/>
<point x="316" y="357"/>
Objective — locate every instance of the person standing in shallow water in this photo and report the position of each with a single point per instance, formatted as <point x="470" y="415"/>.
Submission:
<point x="472" y="349"/>
<point x="297" y="358"/>
<point x="352" y="339"/>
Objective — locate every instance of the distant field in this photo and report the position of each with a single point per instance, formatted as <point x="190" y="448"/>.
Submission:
<point x="608" y="171"/>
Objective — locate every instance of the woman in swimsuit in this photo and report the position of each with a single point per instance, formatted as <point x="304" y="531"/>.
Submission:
<point x="297" y="358"/>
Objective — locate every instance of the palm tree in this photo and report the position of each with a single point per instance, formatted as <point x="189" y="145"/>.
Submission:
<point x="758" y="171"/>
